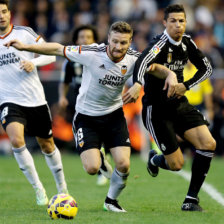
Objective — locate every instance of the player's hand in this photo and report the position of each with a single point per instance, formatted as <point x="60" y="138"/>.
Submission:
<point x="16" y="44"/>
<point x="170" y="83"/>
<point x="63" y="102"/>
<point x="132" y="94"/>
<point x="180" y="90"/>
<point x="28" y="66"/>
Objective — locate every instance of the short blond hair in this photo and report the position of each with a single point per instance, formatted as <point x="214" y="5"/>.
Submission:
<point x="121" y="27"/>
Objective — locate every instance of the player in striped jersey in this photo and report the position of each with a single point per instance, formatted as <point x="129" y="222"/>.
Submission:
<point x="99" y="116"/>
<point x="72" y="74"/>
<point x="163" y="117"/>
<point x="23" y="106"/>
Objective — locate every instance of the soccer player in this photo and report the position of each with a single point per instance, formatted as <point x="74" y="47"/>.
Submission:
<point x="23" y="106"/>
<point x="72" y="73"/>
<point x="165" y="117"/>
<point x="99" y="117"/>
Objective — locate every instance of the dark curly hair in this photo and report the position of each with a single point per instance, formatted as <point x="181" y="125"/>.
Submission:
<point x="84" y="27"/>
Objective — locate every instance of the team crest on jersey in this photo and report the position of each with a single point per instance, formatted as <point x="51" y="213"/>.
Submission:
<point x="123" y="69"/>
<point x="155" y="50"/>
<point x="169" y="57"/>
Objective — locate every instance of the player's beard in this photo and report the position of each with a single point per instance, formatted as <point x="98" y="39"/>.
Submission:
<point x="3" y="28"/>
<point x="116" y="58"/>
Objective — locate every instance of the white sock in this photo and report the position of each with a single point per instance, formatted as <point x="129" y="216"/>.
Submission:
<point x="26" y="164"/>
<point x="54" y="162"/>
<point x="117" y="183"/>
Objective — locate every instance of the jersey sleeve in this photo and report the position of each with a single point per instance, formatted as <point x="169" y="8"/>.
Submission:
<point x="200" y="61"/>
<point x="31" y="36"/>
<point x="148" y="57"/>
<point x="82" y="54"/>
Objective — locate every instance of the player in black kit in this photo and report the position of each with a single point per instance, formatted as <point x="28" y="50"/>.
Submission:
<point x="167" y="117"/>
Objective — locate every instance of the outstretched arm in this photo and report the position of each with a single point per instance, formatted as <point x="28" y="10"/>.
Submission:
<point x="43" y="48"/>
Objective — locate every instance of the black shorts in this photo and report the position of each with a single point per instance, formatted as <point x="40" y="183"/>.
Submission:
<point x="164" y="123"/>
<point x="36" y="120"/>
<point x="93" y="131"/>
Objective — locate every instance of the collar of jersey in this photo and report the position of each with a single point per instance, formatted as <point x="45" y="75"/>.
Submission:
<point x="5" y="35"/>
<point x="172" y="41"/>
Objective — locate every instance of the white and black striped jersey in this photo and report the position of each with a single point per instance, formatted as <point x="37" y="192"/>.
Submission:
<point x="16" y="85"/>
<point x="174" y="55"/>
<point x="102" y="79"/>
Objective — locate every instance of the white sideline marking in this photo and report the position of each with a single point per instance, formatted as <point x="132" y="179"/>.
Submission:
<point x="208" y="188"/>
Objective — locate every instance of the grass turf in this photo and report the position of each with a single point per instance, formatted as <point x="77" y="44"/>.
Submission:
<point x="147" y="200"/>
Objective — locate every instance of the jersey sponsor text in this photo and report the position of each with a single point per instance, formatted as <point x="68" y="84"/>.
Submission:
<point x="9" y="58"/>
<point x="112" y="80"/>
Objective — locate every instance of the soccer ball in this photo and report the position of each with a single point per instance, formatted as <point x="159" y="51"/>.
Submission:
<point x="62" y="206"/>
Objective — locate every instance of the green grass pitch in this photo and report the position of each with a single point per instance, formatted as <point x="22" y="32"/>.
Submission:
<point x="147" y="200"/>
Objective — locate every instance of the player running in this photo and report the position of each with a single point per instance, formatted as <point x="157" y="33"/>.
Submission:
<point x="72" y="74"/>
<point x="23" y="106"/>
<point x="165" y="117"/>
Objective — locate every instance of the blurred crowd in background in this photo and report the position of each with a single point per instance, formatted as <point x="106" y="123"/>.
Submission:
<point x="55" y="20"/>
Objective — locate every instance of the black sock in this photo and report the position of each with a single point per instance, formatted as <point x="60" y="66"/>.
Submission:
<point x="160" y="161"/>
<point x="199" y="170"/>
<point x="109" y="200"/>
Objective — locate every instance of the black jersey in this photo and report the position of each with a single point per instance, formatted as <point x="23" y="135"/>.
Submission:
<point x="72" y="73"/>
<point x="174" y="55"/>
